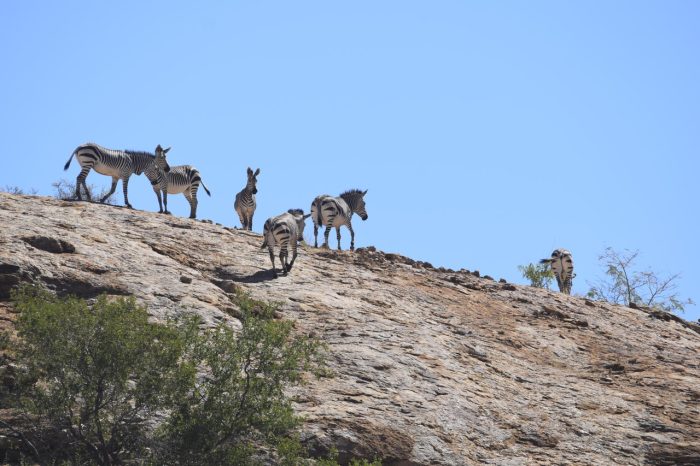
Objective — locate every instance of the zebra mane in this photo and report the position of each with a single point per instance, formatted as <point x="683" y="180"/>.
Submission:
<point x="139" y="153"/>
<point x="353" y="192"/>
<point x="296" y="212"/>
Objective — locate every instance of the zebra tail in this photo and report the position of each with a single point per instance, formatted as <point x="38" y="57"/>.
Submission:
<point x="65" y="167"/>
<point x="264" y="245"/>
<point x="545" y="261"/>
<point x="205" y="187"/>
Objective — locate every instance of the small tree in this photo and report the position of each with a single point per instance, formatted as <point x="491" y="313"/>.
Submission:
<point x="96" y="374"/>
<point x="539" y="275"/>
<point x="625" y="285"/>
<point x="65" y="190"/>
<point x="242" y="405"/>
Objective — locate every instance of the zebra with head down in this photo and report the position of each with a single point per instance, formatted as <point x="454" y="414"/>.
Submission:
<point x="336" y="212"/>
<point x="118" y="164"/>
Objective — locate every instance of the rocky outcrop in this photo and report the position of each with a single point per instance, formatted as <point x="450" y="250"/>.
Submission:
<point x="430" y="366"/>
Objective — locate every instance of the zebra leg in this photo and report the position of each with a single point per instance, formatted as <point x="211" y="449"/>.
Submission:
<point x="192" y="199"/>
<point x="294" y="255"/>
<point x="241" y="218"/>
<point x="81" y="181"/>
<point x="283" y="259"/>
<point x="272" y="258"/>
<point x="111" y="191"/>
<point x="315" y="235"/>
<point x="160" y="201"/>
<point x="326" y="234"/>
<point x="250" y="222"/>
<point x="337" y="233"/>
<point x="165" y="202"/>
<point x="560" y="284"/>
<point x="125" y="185"/>
<point x="352" y="236"/>
<point x="78" y="183"/>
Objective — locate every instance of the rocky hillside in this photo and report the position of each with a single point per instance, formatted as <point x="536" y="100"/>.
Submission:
<point x="432" y="366"/>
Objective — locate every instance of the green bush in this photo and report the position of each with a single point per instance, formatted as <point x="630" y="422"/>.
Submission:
<point x="104" y="385"/>
<point x="539" y="275"/>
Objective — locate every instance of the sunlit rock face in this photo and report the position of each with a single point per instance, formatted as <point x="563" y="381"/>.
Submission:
<point x="430" y="366"/>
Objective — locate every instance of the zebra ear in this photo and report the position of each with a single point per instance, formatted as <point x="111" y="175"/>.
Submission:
<point x="257" y="172"/>
<point x="166" y="150"/>
<point x="365" y="192"/>
<point x="250" y="171"/>
<point x="307" y="216"/>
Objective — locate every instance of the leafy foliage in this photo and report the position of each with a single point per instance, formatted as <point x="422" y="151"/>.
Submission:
<point x="539" y="275"/>
<point x="240" y="402"/>
<point x="626" y="285"/>
<point x="98" y="381"/>
<point x="98" y="374"/>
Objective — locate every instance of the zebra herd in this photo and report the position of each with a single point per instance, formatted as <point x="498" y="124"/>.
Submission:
<point x="283" y="230"/>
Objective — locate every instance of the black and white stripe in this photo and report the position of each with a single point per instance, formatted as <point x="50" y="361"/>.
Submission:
<point x="284" y="231"/>
<point x="336" y="212"/>
<point x="118" y="164"/>
<point x="563" y="267"/>
<point x="183" y="179"/>
<point x="245" y="200"/>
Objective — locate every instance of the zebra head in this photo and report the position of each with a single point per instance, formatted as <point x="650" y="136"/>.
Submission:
<point x="355" y="199"/>
<point x="252" y="180"/>
<point x="161" y="162"/>
<point x="300" y="218"/>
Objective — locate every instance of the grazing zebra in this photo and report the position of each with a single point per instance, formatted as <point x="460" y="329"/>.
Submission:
<point x="563" y="267"/>
<point x="245" y="200"/>
<point x="116" y="163"/>
<point x="284" y="230"/>
<point x="180" y="179"/>
<point x="337" y="211"/>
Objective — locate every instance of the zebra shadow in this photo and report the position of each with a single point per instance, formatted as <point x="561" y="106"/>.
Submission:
<point x="257" y="277"/>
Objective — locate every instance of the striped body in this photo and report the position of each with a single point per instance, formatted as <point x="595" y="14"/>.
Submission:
<point x="245" y="200"/>
<point x="563" y="267"/>
<point x="117" y="164"/>
<point x="334" y="212"/>
<point x="284" y="231"/>
<point x="183" y="179"/>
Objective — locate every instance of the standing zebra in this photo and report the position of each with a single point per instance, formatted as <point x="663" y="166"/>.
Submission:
<point x="337" y="211"/>
<point x="245" y="200"/>
<point x="116" y="163"/>
<point x="563" y="267"/>
<point x="180" y="179"/>
<point x="284" y="230"/>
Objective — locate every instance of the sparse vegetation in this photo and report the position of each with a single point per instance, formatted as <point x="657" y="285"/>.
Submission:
<point x="65" y="190"/>
<point x="101" y="384"/>
<point x="17" y="190"/>
<point x="624" y="284"/>
<point x="539" y="275"/>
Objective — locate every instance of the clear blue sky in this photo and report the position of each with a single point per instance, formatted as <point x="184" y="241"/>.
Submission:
<point x="487" y="133"/>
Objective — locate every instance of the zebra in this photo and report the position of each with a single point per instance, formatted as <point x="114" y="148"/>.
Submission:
<point x="245" y="200"/>
<point x="284" y="230"/>
<point x="180" y="179"/>
<point x="116" y="163"/>
<point x="563" y="267"/>
<point x="337" y="211"/>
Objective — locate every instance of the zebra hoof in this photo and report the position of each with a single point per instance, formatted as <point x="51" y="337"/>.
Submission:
<point x="167" y="212"/>
<point x="128" y="206"/>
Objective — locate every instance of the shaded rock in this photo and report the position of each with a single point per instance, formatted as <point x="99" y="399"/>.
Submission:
<point x="48" y="244"/>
